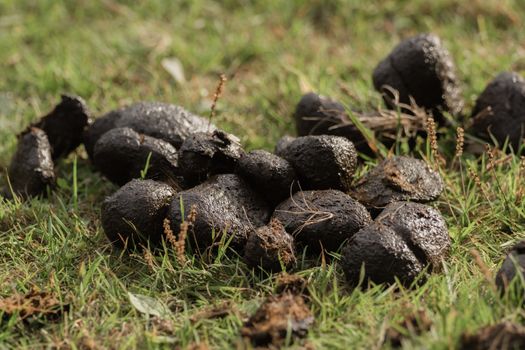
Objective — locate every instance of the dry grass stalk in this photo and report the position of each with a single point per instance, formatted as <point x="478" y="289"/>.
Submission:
<point x="478" y="183"/>
<point x="460" y="142"/>
<point x="218" y="92"/>
<point x="490" y="153"/>
<point x="483" y="267"/>
<point x="180" y="244"/>
<point x="148" y="258"/>
<point x="432" y="136"/>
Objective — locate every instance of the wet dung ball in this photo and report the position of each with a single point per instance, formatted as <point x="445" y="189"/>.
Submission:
<point x="384" y="255"/>
<point x="422" y="227"/>
<point x="276" y="317"/>
<point x="513" y="265"/>
<point x="320" y="115"/>
<point x="270" y="248"/>
<point x="500" y="110"/>
<point x="398" y="179"/>
<point x="64" y="125"/>
<point x="156" y="119"/>
<point x="420" y="67"/>
<point x="322" y="162"/>
<point x="322" y="218"/>
<point x="270" y="175"/>
<point x="31" y="169"/>
<point x="225" y="205"/>
<point x="121" y="154"/>
<point x="205" y="154"/>
<point x="134" y="215"/>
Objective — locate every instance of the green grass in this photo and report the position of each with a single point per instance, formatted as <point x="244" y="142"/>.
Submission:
<point x="110" y="53"/>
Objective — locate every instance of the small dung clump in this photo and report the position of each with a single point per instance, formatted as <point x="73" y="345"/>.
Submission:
<point x="322" y="161"/>
<point x="320" y="115"/>
<point x="204" y="154"/>
<point x="121" y="154"/>
<point x="134" y="215"/>
<point x="500" y="110"/>
<point x="32" y="168"/>
<point x="278" y="315"/>
<point x="404" y="240"/>
<point x="322" y="219"/>
<point x="421" y="68"/>
<point x="64" y="125"/>
<point x="514" y="260"/>
<point x="270" y="248"/>
<point x="281" y="144"/>
<point x="398" y="178"/>
<point x="504" y="335"/>
<point x="269" y="174"/>
<point x="167" y="122"/>
<point x="225" y="205"/>
<point x="422" y="227"/>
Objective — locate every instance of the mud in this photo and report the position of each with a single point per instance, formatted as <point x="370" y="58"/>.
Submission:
<point x="167" y="122"/>
<point x="513" y="264"/>
<point x="31" y="169"/>
<point x="133" y="216"/>
<point x="422" y="227"/>
<point x="270" y="248"/>
<point x="64" y="125"/>
<point x="319" y="115"/>
<point x="281" y="145"/>
<point x="322" y="219"/>
<point x="121" y="154"/>
<point x="205" y="154"/>
<point x="270" y="175"/>
<point x="504" y="335"/>
<point x="322" y="162"/>
<point x="500" y="110"/>
<point x="398" y="179"/>
<point x="275" y="318"/>
<point x="225" y="205"/>
<point x="420" y="67"/>
<point x="384" y="254"/>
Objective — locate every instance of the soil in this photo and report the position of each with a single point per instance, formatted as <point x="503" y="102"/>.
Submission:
<point x="121" y="154"/>
<point x="31" y="169"/>
<point x="64" y="125"/>
<point x="270" y="248"/>
<point x="420" y="67"/>
<point x="504" y="335"/>
<point x="133" y="216"/>
<point x="271" y="175"/>
<point x="278" y="315"/>
<point x="225" y="205"/>
<point x="422" y="227"/>
<point x="205" y="154"/>
<point x="322" y="162"/>
<point x="500" y="110"/>
<point x="167" y="122"/>
<point x="322" y="219"/>
<point x="398" y="178"/>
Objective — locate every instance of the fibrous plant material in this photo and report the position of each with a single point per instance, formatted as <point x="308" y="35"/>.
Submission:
<point x="31" y="169"/>
<point x="277" y="316"/>
<point x="160" y="120"/>
<point x="270" y="248"/>
<point x="420" y="68"/>
<point x="513" y="266"/>
<point x="403" y="240"/>
<point x="122" y="154"/>
<point x="225" y="205"/>
<point x="268" y="173"/>
<point x="398" y="178"/>
<point x="322" y="219"/>
<point x="500" y="110"/>
<point x="505" y="335"/>
<point x="205" y="154"/>
<point x="322" y="162"/>
<point x="64" y="125"/>
<point x="133" y="216"/>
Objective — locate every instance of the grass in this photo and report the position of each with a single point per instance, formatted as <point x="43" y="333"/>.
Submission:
<point x="110" y="53"/>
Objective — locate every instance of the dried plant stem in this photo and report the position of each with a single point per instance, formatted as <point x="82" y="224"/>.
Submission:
<point x="218" y="92"/>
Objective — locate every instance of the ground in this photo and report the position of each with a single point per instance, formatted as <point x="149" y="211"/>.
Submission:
<point x="111" y="52"/>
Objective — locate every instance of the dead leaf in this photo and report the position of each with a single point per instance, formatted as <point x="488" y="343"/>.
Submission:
<point x="174" y="67"/>
<point x="149" y="306"/>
